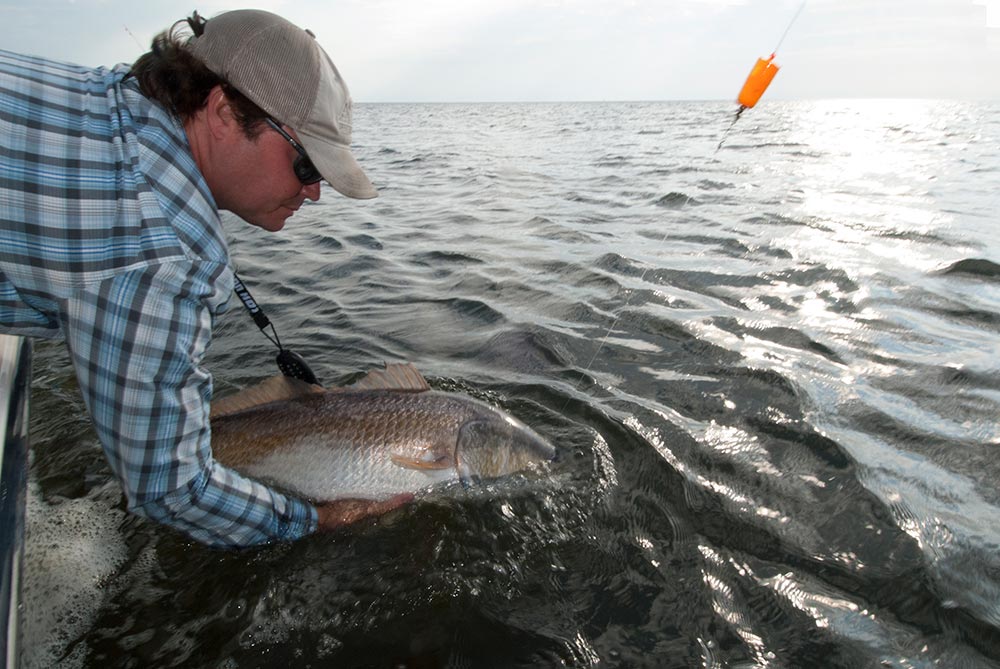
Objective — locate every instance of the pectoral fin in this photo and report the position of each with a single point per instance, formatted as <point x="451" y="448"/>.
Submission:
<point x="428" y="458"/>
<point x="417" y="463"/>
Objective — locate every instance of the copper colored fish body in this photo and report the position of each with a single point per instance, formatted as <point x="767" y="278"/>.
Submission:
<point x="372" y="441"/>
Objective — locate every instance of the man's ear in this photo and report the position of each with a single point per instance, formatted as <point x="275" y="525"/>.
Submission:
<point x="219" y="114"/>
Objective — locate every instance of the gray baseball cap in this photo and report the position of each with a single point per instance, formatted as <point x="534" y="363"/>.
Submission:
<point x="283" y="70"/>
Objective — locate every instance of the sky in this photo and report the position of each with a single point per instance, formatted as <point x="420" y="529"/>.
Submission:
<point x="574" y="50"/>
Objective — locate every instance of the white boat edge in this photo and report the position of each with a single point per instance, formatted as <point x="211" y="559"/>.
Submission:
<point x="15" y="391"/>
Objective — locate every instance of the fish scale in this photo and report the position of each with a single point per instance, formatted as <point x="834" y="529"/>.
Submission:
<point x="373" y="444"/>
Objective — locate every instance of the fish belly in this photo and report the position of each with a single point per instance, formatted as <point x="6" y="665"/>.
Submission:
<point x="327" y="471"/>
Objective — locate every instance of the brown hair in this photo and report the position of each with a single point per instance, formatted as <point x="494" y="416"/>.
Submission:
<point x="169" y="74"/>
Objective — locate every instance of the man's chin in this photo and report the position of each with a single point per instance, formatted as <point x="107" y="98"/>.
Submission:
<point x="270" y="223"/>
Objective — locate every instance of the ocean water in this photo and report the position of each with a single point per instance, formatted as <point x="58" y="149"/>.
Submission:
<point x="770" y="371"/>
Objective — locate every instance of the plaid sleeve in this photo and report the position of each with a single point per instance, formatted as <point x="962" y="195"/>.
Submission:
<point x="137" y="341"/>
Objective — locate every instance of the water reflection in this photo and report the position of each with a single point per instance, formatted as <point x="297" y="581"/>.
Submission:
<point x="776" y="427"/>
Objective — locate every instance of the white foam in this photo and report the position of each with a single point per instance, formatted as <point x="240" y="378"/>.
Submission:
<point x="72" y="550"/>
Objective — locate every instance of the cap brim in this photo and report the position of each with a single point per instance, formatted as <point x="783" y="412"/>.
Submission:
<point x="337" y="165"/>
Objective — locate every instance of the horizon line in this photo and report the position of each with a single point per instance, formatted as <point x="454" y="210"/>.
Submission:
<point x="842" y="98"/>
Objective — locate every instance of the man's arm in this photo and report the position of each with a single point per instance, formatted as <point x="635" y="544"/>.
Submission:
<point x="137" y="340"/>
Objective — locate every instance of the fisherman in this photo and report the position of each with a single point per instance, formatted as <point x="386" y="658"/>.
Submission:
<point x="110" y="185"/>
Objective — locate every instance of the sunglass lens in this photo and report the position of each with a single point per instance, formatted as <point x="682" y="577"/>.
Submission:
<point x="306" y="171"/>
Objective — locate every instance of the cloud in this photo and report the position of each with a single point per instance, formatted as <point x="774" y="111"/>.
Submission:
<point x="447" y="50"/>
<point x="992" y="12"/>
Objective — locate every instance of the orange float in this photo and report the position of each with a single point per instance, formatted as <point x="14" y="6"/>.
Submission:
<point x="760" y="78"/>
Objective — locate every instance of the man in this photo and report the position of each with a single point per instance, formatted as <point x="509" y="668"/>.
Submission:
<point x="110" y="186"/>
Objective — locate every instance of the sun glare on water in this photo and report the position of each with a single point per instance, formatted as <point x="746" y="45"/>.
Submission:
<point x="884" y="204"/>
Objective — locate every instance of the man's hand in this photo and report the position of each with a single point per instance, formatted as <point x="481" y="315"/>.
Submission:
<point x="341" y="512"/>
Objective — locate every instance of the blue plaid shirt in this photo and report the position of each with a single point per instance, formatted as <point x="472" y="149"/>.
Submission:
<point x="110" y="238"/>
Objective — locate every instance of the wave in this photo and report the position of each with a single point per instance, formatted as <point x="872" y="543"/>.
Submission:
<point x="976" y="267"/>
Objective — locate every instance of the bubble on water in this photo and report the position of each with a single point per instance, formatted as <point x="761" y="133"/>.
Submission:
<point x="73" y="548"/>
<point x="328" y="645"/>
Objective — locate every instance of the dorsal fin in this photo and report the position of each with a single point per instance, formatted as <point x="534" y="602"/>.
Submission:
<point x="396" y="376"/>
<point x="269" y="390"/>
<point x="400" y="376"/>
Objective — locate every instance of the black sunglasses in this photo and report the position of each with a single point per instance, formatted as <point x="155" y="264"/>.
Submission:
<point x="303" y="167"/>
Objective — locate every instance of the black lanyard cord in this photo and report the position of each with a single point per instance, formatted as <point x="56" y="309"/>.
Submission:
<point x="290" y="363"/>
<point x="256" y="312"/>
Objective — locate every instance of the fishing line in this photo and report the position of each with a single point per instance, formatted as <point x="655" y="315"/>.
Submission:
<point x="758" y="81"/>
<point x="134" y="39"/>
<point x="725" y="134"/>
<point x="790" y="24"/>
<point x="614" y="323"/>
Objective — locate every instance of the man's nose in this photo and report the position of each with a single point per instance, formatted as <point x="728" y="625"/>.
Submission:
<point x="311" y="191"/>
